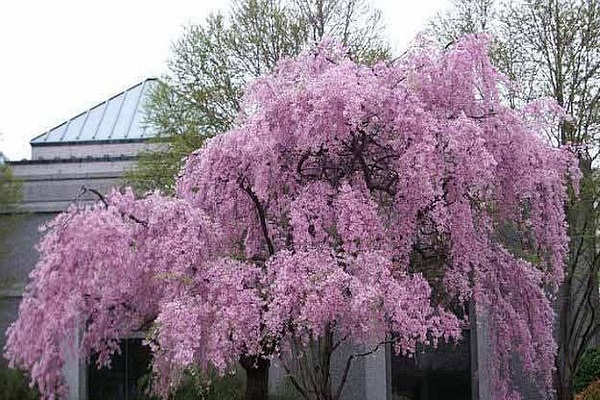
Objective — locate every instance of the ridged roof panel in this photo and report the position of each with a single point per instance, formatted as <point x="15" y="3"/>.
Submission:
<point x="118" y="118"/>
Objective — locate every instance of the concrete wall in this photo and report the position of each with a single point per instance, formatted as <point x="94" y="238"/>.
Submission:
<point x="50" y="186"/>
<point x="481" y="345"/>
<point x="8" y="311"/>
<point x="81" y="167"/>
<point x="369" y="377"/>
<point x="67" y="151"/>
<point x="17" y="250"/>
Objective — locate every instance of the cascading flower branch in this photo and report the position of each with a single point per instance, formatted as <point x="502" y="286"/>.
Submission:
<point x="355" y="204"/>
<point x="106" y="272"/>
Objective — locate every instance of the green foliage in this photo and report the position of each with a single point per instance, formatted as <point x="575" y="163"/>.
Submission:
<point x="588" y="370"/>
<point x="196" y="386"/>
<point x="14" y="386"/>
<point x="10" y="189"/>
<point x="229" y="387"/>
<point x="10" y="197"/>
<point x="157" y="169"/>
<point x="212" y="63"/>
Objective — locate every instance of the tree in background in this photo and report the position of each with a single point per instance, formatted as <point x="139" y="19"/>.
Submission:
<point x="10" y="197"/>
<point x="465" y="17"/>
<point x="313" y="223"/>
<point x="10" y="188"/>
<point x="552" y="48"/>
<point x="212" y="63"/>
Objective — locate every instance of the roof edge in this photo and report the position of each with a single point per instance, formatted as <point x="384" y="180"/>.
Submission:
<point x="86" y="142"/>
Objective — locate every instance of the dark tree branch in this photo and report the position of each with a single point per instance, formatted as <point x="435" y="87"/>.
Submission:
<point x="338" y="343"/>
<point x="296" y="385"/>
<point x="349" y="364"/>
<point x="105" y="202"/>
<point x="261" y="214"/>
<point x="100" y="196"/>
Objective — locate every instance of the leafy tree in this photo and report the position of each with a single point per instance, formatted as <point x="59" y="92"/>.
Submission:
<point x="10" y="197"/>
<point x="465" y="17"/>
<point x="313" y="223"/>
<point x="212" y="63"/>
<point x="552" y="48"/>
<point x="10" y="189"/>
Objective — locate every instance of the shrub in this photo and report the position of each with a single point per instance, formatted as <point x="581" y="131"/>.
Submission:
<point x="228" y="387"/>
<point x="194" y="386"/>
<point x="14" y="385"/>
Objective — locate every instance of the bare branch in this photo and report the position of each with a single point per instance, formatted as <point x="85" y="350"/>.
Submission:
<point x="351" y="358"/>
<point x="100" y="196"/>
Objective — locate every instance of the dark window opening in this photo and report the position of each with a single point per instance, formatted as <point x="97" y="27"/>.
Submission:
<point x="125" y="379"/>
<point x="434" y="374"/>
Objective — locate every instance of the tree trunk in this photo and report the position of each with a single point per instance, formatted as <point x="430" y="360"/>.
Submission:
<point x="257" y="377"/>
<point x="562" y="375"/>
<point x="564" y="390"/>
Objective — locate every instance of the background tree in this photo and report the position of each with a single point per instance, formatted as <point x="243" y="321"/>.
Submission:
<point x="212" y="63"/>
<point x="10" y="197"/>
<point x="552" y="48"/>
<point x="285" y="229"/>
<point x="464" y="17"/>
<point x="10" y="187"/>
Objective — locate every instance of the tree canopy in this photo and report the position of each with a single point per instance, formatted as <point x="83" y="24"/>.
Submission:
<point x="350" y="204"/>
<point x="212" y="62"/>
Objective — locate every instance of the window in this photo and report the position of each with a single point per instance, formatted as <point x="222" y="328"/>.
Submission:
<point x="435" y="374"/>
<point x="124" y="380"/>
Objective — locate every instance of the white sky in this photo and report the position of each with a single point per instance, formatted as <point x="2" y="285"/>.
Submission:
<point x="61" y="57"/>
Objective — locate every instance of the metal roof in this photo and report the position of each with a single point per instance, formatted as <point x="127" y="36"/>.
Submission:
<point x="118" y="118"/>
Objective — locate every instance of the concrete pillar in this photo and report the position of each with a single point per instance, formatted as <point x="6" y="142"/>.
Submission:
<point x="378" y="379"/>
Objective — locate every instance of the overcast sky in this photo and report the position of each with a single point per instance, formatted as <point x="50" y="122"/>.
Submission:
<point x="61" y="57"/>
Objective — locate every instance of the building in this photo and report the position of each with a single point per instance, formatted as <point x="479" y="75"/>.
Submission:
<point x="93" y="149"/>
